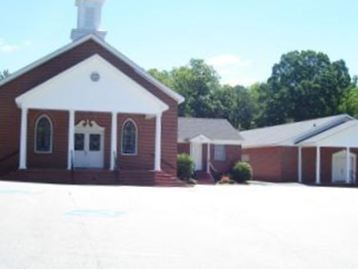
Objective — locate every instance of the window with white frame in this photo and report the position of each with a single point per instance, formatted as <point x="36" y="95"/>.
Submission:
<point x="245" y="158"/>
<point x="129" y="138"/>
<point x="43" y="135"/>
<point x="219" y="153"/>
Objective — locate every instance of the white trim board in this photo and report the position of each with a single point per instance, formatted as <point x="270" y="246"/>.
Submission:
<point x="177" y="97"/>
<point x="73" y="89"/>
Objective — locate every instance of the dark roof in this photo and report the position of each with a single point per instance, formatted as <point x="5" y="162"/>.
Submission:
<point x="214" y="129"/>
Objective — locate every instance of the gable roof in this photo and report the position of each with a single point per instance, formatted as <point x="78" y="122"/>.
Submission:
<point x="292" y="133"/>
<point x="114" y="92"/>
<point x="140" y="71"/>
<point x="341" y="135"/>
<point x="216" y="130"/>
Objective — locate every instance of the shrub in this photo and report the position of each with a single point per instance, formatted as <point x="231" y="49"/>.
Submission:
<point x="185" y="167"/>
<point x="241" y="172"/>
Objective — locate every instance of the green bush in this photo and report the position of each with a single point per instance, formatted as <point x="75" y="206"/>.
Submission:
<point x="241" y="172"/>
<point x="185" y="167"/>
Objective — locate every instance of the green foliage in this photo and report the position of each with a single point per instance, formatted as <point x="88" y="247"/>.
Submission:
<point x="241" y="172"/>
<point x="303" y="85"/>
<point x="205" y="97"/>
<point x="349" y="103"/>
<point x="235" y="104"/>
<point x="4" y="74"/>
<point x="185" y="167"/>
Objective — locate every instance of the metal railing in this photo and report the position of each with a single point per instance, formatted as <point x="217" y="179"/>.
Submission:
<point x="214" y="172"/>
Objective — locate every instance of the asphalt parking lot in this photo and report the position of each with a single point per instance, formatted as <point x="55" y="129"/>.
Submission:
<point x="255" y="226"/>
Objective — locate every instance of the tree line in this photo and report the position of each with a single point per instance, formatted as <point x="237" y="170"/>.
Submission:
<point x="303" y="85"/>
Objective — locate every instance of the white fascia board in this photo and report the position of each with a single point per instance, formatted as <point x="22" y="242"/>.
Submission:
<point x="202" y="139"/>
<point x="343" y="136"/>
<point x="177" y="97"/>
<point x="328" y="126"/>
<point x="114" y="92"/>
<point x="226" y="142"/>
<point x="210" y="141"/>
<point x="266" y="146"/>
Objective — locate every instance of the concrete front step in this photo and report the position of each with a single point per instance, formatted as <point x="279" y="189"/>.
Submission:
<point x="95" y="177"/>
<point x="204" y="178"/>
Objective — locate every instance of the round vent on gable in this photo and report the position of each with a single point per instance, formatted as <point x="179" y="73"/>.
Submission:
<point x="95" y="77"/>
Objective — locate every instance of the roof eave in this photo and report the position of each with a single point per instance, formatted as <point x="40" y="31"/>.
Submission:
<point x="177" y="97"/>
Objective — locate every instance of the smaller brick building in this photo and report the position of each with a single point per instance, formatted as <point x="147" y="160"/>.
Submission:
<point x="214" y="145"/>
<point x="319" y="151"/>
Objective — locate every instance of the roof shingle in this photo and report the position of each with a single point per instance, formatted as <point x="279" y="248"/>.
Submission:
<point x="214" y="129"/>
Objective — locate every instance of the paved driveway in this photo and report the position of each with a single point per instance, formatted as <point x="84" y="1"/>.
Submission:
<point x="45" y="226"/>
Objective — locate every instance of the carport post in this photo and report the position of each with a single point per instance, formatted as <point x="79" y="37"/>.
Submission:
<point x="300" y="180"/>
<point x="318" y="165"/>
<point x="348" y="165"/>
<point x="208" y="157"/>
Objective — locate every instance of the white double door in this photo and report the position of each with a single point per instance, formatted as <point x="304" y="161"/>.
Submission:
<point x="339" y="167"/>
<point x="89" y="145"/>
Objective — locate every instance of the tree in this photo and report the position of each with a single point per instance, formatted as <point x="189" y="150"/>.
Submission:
<point x="234" y="104"/>
<point x="349" y="104"/>
<point x="303" y="85"/>
<point x="196" y="82"/>
<point x="4" y="74"/>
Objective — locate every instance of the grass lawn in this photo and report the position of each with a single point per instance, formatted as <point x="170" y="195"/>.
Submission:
<point x="254" y="226"/>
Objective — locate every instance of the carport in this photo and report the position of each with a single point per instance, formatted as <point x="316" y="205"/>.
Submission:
<point x="344" y="162"/>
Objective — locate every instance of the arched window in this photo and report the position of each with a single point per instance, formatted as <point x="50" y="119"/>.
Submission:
<point x="43" y="135"/>
<point x="129" y="138"/>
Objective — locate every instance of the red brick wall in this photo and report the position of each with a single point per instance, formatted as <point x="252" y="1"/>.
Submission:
<point x="233" y="154"/>
<point x="10" y="114"/>
<point x="58" y="158"/>
<point x="266" y="163"/>
<point x="144" y="160"/>
<point x="183" y="148"/>
<point x="289" y="160"/>
<point x="281" y="163"/>
<point x="273" y="163"/>
<point x="309" y="164"/>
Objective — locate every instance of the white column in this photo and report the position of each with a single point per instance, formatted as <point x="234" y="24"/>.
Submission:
<point x="23" y="139"/>
<point x="318" y="165"/>
<point x="114" y="139"/>
<point x="71" y="139"/>
<point x="300" y="179"/>
<point x="348" y="165"/>
<point x="158" y="143"/>
<point x="208" y="158"/>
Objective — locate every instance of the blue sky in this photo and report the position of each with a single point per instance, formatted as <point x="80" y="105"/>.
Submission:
<point x="241" y="39"/>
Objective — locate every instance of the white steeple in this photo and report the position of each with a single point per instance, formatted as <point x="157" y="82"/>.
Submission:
<point x="89" y="19"/>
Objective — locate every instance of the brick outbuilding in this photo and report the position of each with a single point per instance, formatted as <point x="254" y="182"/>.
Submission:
<point x="319" y="151"/>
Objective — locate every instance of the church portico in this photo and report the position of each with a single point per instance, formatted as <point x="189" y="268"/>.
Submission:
<point x="88" y="108"/>
<point x="93" y="143"/>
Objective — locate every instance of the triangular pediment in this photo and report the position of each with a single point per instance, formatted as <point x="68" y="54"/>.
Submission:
<point x="92" y="85"/>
